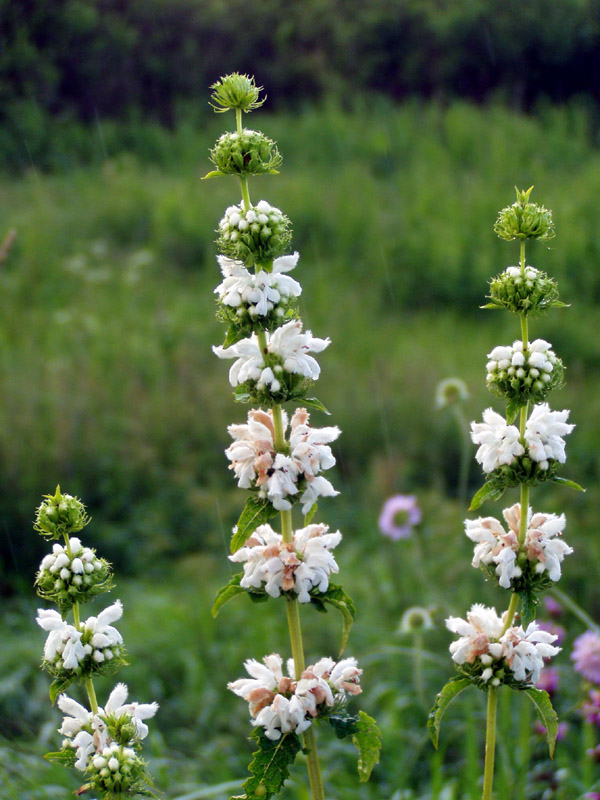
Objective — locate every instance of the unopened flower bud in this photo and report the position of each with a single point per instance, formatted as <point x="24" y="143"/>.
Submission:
<point x="524" y="220"/>
<point x="59" y="515"/>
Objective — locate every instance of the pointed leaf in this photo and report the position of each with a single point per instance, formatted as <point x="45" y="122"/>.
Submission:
<point x="241" y="395"/>
<point x="546" y="713"/>
<point x="308" y="518"/>
<point x="314" y="402"/>
<point x="233" y="336"/>
<point x="487" y="492"/>
<point x="568" y="484"/>
<point x="367" y="741"/>
<point x="58" y="686"/>
<point x="256" y="512"/>
<point x="451" y="690"/>
<point x="269" y="765"/>
<point x="226" y="592"/>
<point x="343" y="726"/>
<point x="337" y="598"/>
<point x="528" y="608"/>
<point x="512" y="409"/>
<point x="559" y="304"/>
<point x="491" y="305"/>
<point x="215" y="173"/>
<point x="65" y="757"/>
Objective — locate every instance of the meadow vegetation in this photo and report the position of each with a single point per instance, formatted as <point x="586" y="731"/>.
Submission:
<point x="109" y="387"/>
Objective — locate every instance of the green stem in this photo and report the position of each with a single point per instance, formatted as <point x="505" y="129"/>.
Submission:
<point x="89" y="686"/>
<point x="510" y="614"/>
<point x="522" y="254"/>
<point x="312" y="764"/>
<point x="243" y="178"/>
<point x="490" y="743"/>
<point x="524" y="514"/>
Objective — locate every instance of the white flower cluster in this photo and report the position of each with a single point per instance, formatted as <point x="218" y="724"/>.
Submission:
<point x="257" y="294"/>
<point x="287" y="349"/>
<point x="72" y="565"/>
<point x="300" y="565"/>
<point x="499" y="443"/>
<point x="543" y="546"/>
<point x="516" y="369"/>
<point x="68" y="648"/>
<point x="485" y="645"/>
<point x="261" y="220"/>
<point x="276" y="475"/>
<point x="88" y="733"/>
<point x="531" y="273"/>
<point x="280" y="704"/>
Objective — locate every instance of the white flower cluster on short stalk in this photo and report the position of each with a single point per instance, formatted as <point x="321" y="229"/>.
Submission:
<point x="69" y="648"/>
<point x="90" y="734"/>
<point x="71" y="573"/>
<point x="496" y="656"/>
<point x="499" y="443"/>
<point x="254" y="236"/>
<point x="543" y="547"/>
<point x="258" y="294"/>
<point x="525" y="372"/>
<point x="287" y="351"/>
<point x="280" y="704"/>
<point x="277" y="476"/>
<point x="303" y="564"/>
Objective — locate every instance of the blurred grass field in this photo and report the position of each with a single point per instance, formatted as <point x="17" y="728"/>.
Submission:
<point x="109" y="387"/>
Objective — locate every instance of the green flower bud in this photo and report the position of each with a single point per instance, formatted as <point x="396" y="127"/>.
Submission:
<point x="527" y="291"/>
<point x="245" y="153"/>
<point x="524" y="220"/>
<point x="256" y="236"/>
<point x="236" y="91"/>
<point x="60" y="515"/>
<point x="522" y="471"/>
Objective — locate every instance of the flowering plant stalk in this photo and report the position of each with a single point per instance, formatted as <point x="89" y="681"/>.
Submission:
<point x="102" y="742"/>
<point x="521" y="449"/>
<point x="280" y="460"/>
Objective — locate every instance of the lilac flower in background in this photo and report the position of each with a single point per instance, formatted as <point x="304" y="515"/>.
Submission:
<point x="400" y="513"/>
<point x="586" y="656"/>
<point x="553" y="607"/>
<point x="591" y="707"/>
<point x="549" y="680"/>
<point x="552" y="627"/>
<point x="562" y="732"/>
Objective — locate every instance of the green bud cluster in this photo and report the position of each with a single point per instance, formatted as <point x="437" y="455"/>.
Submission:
<point x="291" y="386"/>
<point x="242" y="324"/>
<point x="236" y="91"/>
<point x="529" y="292"/>
<point x="523" y="471"/>
<point x="60" y="515"/>
<point x="117" y="772"/>
<point x="502" y="675"/>
<point x="113" y="660"/>
<point x="72" y="574"/>
<point x="524" y="220"/>
<point x="246" y="153"/>
<point x="529" y="583"/>
<point x="255" y="236"/>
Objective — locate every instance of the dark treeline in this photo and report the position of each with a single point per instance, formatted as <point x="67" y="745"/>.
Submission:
<point x="122" y="58"/>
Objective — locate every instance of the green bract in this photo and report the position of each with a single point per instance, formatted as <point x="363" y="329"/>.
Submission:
<point x="528" y="292"/>
<point x="236" y="91"/>
<point x="245" y="153"/>
<point x="524" y="220"/>
<point x="254" y="236"/>
<point x="65" y="590"/>
<point x="242" y="324"/>
<point x="118" y="772"/>
<point x="60" y="515"/>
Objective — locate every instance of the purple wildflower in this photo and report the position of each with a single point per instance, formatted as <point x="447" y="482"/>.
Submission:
<point x="561" y="733"/>
<point x="591" y="707"/>
<point x="557" y="630"/>
<point x="398" y="516"/>
<point x="553" y="607"/>
<point x="549" y="679"/>
<point x="586" y="656"/>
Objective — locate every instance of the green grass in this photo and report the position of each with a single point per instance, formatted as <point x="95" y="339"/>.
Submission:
<point x="109" y="387"/>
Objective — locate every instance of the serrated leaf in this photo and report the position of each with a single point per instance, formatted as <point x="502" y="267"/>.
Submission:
<point x="65" y="757"/>
<point x="256" y="512"/>
<point x="270" y="764"/>
<point x="226" y="592"/>
<point x="367" y="741"/>
<point x="337" y="597"/>
<point x="450" y="691"/>
<point x="58" y="686"/>
<point x="568" y="484"/>
<point x="528" y="610"/>
<point x="487" y="492"/>
<point x="546" y="713"/>
<point x="512" y="409"/>
<point x="308" y="518"/>
<point x="343" y="726"/>
<point x="314" y="402"/>
<point x="233" y="336"/>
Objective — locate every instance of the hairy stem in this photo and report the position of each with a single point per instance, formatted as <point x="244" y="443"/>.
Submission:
<point x="490" y="743"/>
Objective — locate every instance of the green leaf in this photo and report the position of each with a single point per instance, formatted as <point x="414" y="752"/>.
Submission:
<point x="487" y="492"/>
<point x="270" y="764"/>
<point x="241" y="395"/>
<point x="215" y="173"/>
<point x="367" y="741"/>
<point x="512" y="409"/>
<point x="256" y="512"/>
<point x="226" y="592"/>
<point x="308" y="518"/>
<point x="528" y="609"/>
<point x="58" y="686"/>
<point x="491" y="305"/>
<point x="546" y="713"/>
<point x="337" y="598"/>
<point x="314" y="402"/>
<point x="559" y="304"/>
<point x="65" y="757"/>
<point x="343" y="726"/>
<point x="451" y="690"/>
<point x="568" y="484"/>
<point x="233" y="336"/>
